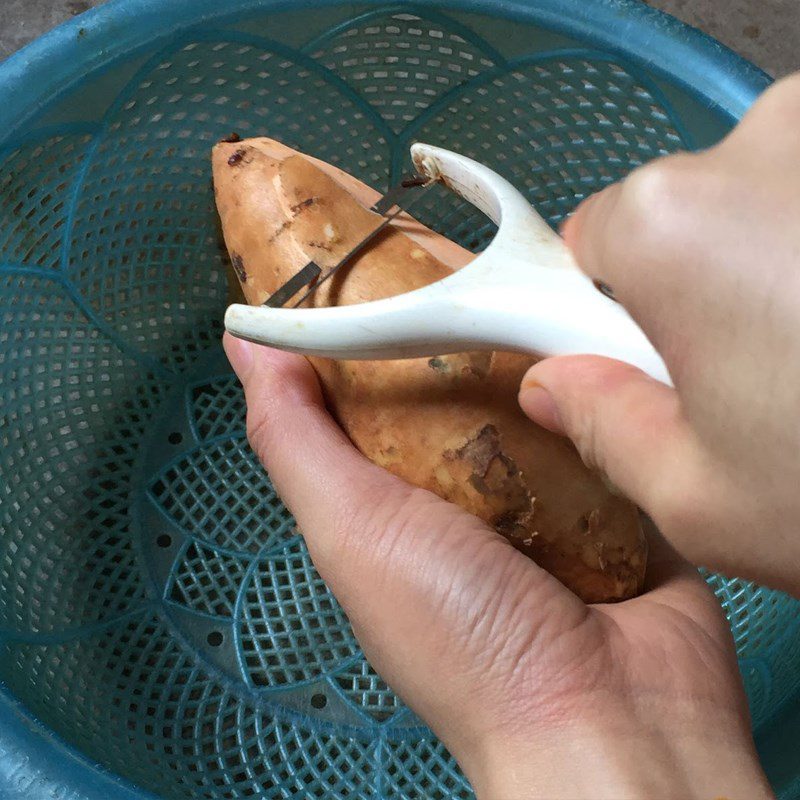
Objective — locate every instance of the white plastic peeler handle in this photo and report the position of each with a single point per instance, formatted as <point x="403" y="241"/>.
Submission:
<point x="524" y="293"/>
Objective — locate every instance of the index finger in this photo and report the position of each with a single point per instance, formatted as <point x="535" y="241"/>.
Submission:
<point x="643" y="240"/>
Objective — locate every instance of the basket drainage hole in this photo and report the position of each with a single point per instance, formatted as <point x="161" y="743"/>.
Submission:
<point x="165" y="540"/>
<point x="175" y="437"/>
<point x="319" y="700"/>
<point x="214" y="638"/>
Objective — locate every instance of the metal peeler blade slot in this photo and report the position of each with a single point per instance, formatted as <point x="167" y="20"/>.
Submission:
<point x="393" y="196"/>
<point x="309" y="275"/>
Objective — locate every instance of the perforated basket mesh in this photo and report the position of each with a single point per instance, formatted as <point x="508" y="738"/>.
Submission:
<point x="157" y="610"/>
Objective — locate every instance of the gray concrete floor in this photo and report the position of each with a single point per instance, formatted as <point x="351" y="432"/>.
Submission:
<point x="23" y="20"/>
<point x="765" y="31"/>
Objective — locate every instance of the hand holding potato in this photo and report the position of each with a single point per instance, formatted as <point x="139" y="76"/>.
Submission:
<point x="536" y="694"/>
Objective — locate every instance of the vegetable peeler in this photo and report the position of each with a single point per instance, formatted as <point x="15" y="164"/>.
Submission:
<point x="524" y="292"/>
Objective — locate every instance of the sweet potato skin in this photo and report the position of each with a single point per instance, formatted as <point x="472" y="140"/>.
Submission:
<point x="449" y="424"/>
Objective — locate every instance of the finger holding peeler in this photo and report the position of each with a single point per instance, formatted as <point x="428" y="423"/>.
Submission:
<point x="524" y="292"/>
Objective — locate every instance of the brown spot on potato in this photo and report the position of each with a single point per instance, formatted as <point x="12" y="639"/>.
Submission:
<point x="388" y="456"/>
<point x="479" y="363"/>
<point x="231" y="138"/>
<point x="280" y="229"/>
<point x="309" y="201"/>
<point x="321" y="246"/>
<point x="236" y="158"/>
<point x="496" y="475"/>
<point x="481" y="449"/>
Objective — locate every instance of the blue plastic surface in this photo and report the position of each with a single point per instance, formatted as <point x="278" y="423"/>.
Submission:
<point x="161" y="628"/>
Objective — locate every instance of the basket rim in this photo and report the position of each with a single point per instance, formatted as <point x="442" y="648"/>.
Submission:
<point x="648" y="37"/>
<point x="37" y="763"/>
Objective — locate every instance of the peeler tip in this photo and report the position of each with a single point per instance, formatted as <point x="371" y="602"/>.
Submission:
<point x="424" y="158"/>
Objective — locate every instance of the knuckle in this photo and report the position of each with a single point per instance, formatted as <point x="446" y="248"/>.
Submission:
<point x="584" y="438"/>
<point x="773" y="122"/>
<point x="267" y="410"/>
<point x="782" y="98"/>
<point x="372" y="532"/>
<point x="260" y="431"/>
<point x="405" y="525"/>
<point x="678" y="513"/>
<point x="679" y="504"/>
<point x="397" y="516"/>
<point x="265" y="433"/>
<point x="656" y="204"/>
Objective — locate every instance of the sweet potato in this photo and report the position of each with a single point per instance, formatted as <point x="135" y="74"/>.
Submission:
<point x="450" y="424"/>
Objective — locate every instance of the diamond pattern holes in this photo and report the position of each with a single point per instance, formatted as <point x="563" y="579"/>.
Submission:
<point x="219" y="493"/>
<point x="422" y="770"/>
<point x="206" y="580"/>
<point x="402" y="64"/>
<point x="292" y="628"/>
<point x="768" y="647"/>
<point x="559" y="130"/>
<point x="368" y="691"/>
<point x="218" y="407"/>
<point x="35" y="186"/>
<point x="135" y="695"/>
<point x="74" y="410"/>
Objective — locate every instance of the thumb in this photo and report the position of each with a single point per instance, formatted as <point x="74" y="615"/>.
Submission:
<point x="625" y="424"/>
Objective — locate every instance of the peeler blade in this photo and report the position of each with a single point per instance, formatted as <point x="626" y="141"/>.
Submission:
<point x="389" y="207"/>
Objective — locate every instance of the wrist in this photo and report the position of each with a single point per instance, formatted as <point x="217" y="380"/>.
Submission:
<point x="615" y="761"/>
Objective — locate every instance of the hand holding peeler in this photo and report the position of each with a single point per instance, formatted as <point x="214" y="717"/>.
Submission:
<point x="524" y="292"/>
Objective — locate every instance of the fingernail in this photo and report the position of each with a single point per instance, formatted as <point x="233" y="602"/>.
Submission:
<point x="240" y="354"/>
<point x="539" y="405"/>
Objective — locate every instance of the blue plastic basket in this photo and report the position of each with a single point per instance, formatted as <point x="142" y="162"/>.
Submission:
<point x="162" y="630"/>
